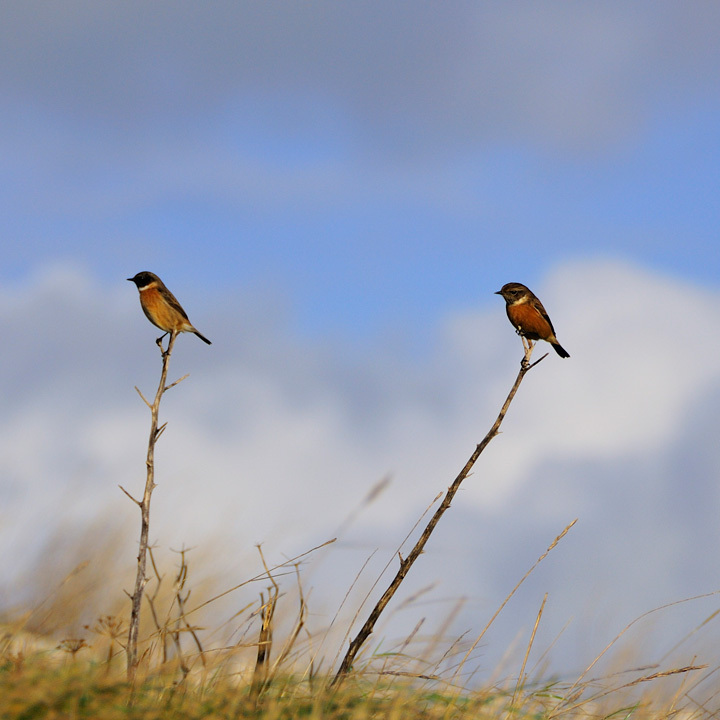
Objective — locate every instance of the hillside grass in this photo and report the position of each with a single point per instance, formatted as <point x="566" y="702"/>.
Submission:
<point x="75" y="689"/>
<point x="58" y="662"/>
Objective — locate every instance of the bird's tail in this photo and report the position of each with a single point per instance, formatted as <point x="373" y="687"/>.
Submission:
<point x="204" y="339"/>
<point x="559" y="349"/>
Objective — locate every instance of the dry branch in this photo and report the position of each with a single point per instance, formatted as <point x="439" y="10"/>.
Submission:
<point x="406" y="563"/>
<point x="144" y="504"/>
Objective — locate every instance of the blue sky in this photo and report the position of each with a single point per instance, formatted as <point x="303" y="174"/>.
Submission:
<point x="378" y="165"/>
<point x="334" y="191"/>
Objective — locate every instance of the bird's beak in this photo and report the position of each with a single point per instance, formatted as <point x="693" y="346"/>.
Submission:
<point x="129" y="279"/>
<point x="498" y="292"/>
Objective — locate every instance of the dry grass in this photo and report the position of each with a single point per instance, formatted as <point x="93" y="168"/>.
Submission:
<point x="259" y="660"/>
<point x="37" y="688"/>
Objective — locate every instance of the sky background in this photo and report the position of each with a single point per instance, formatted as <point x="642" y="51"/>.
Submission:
<point x="334" y="191"/>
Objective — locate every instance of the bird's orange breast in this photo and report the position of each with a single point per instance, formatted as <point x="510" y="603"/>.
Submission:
<point x="529" y="321"/>
<point x="159" y="312"/>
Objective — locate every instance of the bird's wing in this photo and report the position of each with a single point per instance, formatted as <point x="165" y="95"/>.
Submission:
<point x="539" y="306"/>
<point x="174" y="304"/>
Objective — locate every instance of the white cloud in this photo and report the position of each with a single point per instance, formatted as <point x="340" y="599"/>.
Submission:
<point x="639" y="363"/>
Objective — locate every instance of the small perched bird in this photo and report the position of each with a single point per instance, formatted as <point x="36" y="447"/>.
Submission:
<point x="161" y="307"/>
<point x="529" y="316"/>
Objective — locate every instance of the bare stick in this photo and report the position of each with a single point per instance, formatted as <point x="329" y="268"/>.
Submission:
<point x="144" y="504"/>
<point x="406" y="563"/>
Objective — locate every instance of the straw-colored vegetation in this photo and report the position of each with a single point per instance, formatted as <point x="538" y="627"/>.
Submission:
<point x="257" y="650"/>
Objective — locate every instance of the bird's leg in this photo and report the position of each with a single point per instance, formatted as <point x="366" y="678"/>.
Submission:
<point x="172" y="334"/>
<point x="528" y="347"/>
<point x="527" y="344"/>
<point x="159" y="340"/>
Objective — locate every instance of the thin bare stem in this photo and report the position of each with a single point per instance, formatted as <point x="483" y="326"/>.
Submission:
<point x="137" y="502"/>
<point x="510" y="594"/>
<point x="521" y="675"/>
<point x="575" y="690"/>
<point x="406" y="563"/>
<point x="292" y="561"/>
<point x="382" y="572"/>
<point x="181" y="599"/>
<point x="151" y="598"/>
<point x="299" y="625"/>
<point x="141" y="578"/>
<point x="267" y="615"/>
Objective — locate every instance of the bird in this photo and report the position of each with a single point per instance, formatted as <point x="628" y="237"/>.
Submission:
<point x="529" y="316"/>
<point x="161" y="307"/>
